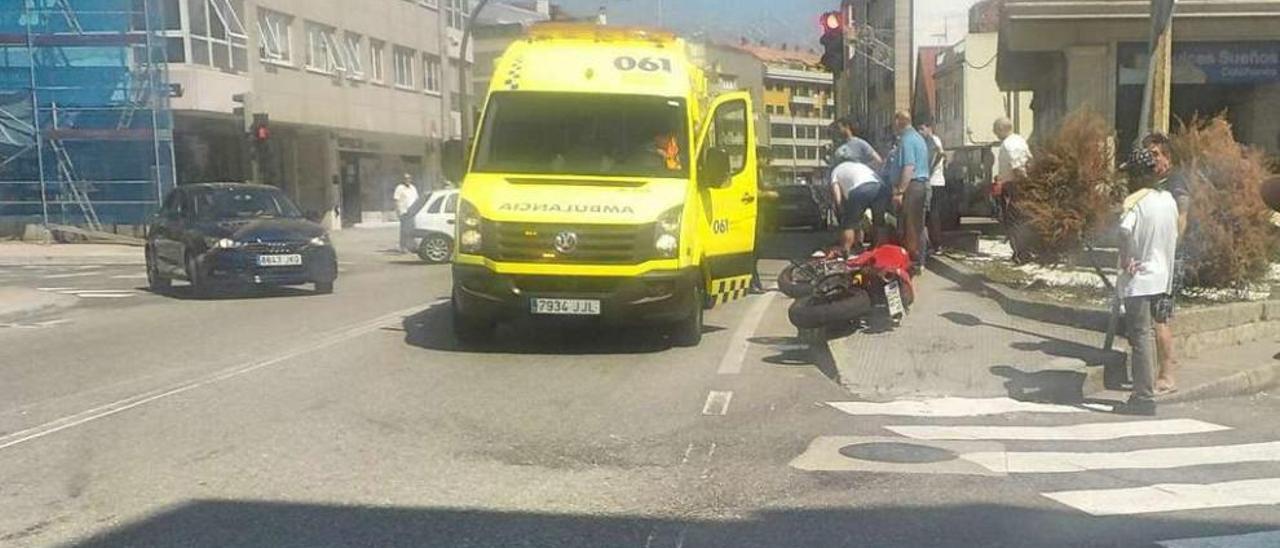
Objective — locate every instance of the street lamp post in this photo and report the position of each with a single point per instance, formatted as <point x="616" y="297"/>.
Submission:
<point x="464" y="103"/>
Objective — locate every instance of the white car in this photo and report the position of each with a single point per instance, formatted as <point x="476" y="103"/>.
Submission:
<point x="433" y="224"/>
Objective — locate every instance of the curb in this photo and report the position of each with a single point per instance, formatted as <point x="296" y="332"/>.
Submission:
<point x="1242" y="383"/>
<point x="1017" y="303"/>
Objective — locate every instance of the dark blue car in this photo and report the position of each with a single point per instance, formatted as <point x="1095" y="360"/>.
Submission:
<point x="227" y="235"/>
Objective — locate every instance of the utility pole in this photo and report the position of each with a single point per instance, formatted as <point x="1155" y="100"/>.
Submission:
<point x="1156" y="99"/>
<point x="464" y="92"/>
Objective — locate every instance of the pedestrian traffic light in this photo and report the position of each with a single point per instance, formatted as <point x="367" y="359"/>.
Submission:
<point x="261" y="130"/>
<point x="832" y="42"/>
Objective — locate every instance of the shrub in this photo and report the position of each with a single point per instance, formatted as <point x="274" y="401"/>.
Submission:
<point x="1071" y="192"/>
<point x="1230" y="241"/>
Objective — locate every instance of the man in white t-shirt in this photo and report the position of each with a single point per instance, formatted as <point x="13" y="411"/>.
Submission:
<point x="405" y="196"/>
<point x="936" y="196"/>
<point x="1148" y="242"/>
<point x="856" y="188"/>
<point x="1012" y="158"/>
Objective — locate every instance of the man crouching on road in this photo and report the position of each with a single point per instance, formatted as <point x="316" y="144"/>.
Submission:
<point x="1148" y="242"/>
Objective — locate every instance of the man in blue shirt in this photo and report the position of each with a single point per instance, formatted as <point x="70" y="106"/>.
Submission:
<point x="910" y="180"/>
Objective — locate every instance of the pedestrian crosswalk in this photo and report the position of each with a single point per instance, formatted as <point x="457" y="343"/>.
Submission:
<point x="91" y="293"/>
<point x="1056" y="442"/>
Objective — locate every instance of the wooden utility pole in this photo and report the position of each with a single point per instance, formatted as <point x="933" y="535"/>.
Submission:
<point x="1157" y="99"/>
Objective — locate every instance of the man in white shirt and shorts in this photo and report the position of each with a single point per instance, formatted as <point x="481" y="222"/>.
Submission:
<point x="857" y="189"/>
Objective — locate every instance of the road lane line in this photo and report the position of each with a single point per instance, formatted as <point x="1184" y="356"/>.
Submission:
<point x="1075" y="432"/>
<point x="731" y="364"/>
<point x="1049" y="462"/>
<point x="1171" y="497"/>
<point x="951" y="407"/>
<point x="113" y="295"/>
<point x="130" y="277"/>
<point x="717" y="403"/>
<point x="119" y="406"/>
<point x="1263" y="539"/>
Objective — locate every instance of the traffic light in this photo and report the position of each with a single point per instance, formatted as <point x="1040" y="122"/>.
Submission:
<point x="261" y="130"/>
<point x="832" y="42"/>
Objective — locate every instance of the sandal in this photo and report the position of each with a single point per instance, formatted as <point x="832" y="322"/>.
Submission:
<point x="1166" y="389"/>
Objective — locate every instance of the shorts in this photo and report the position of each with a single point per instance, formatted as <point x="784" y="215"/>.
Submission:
<point x="865" y="196"/>
<point x="1162" y="308"/>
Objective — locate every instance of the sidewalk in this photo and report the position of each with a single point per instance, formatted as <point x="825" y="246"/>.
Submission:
<point x="954" y="343"/>
<point x="32" y="254"/>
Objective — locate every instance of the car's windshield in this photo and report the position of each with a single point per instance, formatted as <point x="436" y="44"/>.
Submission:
<point x="246" y="203"/>
<point x="584" y="134"/>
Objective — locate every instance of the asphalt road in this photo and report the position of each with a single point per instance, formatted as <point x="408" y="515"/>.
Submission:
<point x="354" y="419"/>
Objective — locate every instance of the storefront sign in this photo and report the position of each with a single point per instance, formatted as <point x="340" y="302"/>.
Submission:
<point x="1223" y="63"/>
<point x="350" y="143"/>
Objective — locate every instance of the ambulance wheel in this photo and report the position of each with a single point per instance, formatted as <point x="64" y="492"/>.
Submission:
<point x="688" y="332"/>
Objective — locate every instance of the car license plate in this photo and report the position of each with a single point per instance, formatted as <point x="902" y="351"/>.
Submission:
<point x="893" y="295"/>
<point x="279" y="260"/>
<point x="566" y="307"/>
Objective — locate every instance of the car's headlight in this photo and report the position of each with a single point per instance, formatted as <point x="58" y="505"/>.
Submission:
<point x="470" y="240"/>
<point x="320" y="241"/>
<point x="666" y="240"/>
<point x="223" y="243"/>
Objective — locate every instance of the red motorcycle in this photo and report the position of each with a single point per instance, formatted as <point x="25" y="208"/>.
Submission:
<point x="878" y="278"/>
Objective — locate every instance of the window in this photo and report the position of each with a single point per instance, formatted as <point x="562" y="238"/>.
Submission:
<point x="583" y="134"/>
<point x="274" y="40"/>
<point x="431" y="72"/>
<point x="323" y="52"/>
<point x="782" y="131"/>
<point x="456" y="13"/>
<point x="217" y="34"/>
<point x="451" y="206"/>
<point x="377" y="72"/>
<point x="783" y="152"/>
<point x="353" y="53"/>
<point x="435" y="205"/>
<point x="404" y="59"/>
<point x="729" y="133"/>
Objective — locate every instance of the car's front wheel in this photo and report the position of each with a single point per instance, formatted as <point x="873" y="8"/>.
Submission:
<point x="155" y="280"/>
<point x="435" y="249"/>
<point x="688" y="332"/>
<point x="324" y="288"/>
<point x="199" y="286"/>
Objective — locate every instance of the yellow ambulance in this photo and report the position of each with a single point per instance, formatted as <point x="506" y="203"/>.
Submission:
<point x="604" y="184"/>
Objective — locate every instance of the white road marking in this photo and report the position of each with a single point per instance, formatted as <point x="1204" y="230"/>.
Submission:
<point x="54" y="289"/>
<point x="71" y="421"/>
<point x="1075" y="432"/>
<point x="951" y="407"/>
<point x="130" y="277"/>
<point x="731" y="364"/>
<point x="1264" y="539"/>
<point x="717" y="403"/>
<point x="1171" y="497"/>
<point x="1048" y="462"/>
<point x="72" y="275"/>
<point x="105" y="295"/>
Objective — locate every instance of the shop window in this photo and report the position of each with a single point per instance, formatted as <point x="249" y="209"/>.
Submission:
<point x="275" y="42"/>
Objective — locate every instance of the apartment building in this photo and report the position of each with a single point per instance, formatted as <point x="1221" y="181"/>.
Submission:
<point x="969" y="97"/>
<point x="357" y="94"/>
<point x="800" y="106"/>
<point x="877" y="78"/>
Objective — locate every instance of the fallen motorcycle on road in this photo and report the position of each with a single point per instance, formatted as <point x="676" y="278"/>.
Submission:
<point x="833" y="291"/>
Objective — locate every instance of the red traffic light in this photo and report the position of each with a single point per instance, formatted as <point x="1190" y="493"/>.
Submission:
<point x="262" y="133"/>
<point x="831" y="21"/>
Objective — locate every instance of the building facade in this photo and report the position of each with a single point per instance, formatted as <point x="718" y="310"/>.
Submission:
<point x="969" y="97"/>
<point x="356" y="95"/>
<point x="1093" y="54"/>
<point x="799" y="102"/>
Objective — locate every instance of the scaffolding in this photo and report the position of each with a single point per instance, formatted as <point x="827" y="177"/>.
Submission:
<point x="86" y="133"/>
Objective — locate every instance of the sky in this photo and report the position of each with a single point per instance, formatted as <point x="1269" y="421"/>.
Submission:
<point x="938" y="22"/>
